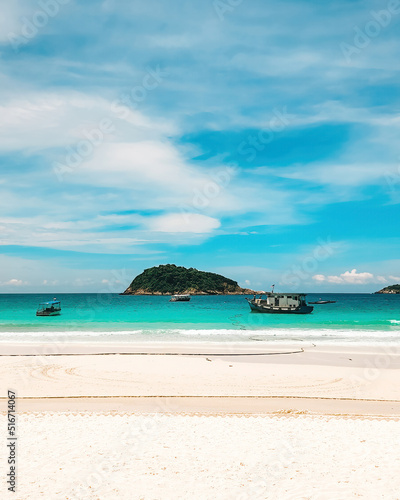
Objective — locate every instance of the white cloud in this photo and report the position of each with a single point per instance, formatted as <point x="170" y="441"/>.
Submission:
<point x="319" y="277"/>
<point x="69" y="279"/>
<point x="184" y="223"/>
<point x="329" y="111"/>
<point x="82" y="235"/>
<point x="49" y="120"/>
<point x="350" y="278"/>
<point x="137" y="167"/>
<point x="14" y="282"/>
<point x="172" y="41"/>
<point x="358" y="175"/>
<point x="141" y="167"/>
<point x="271" y="65"/>
<point x="10" y="20"/>
<point x="341" y="175"/>
<point x="139" y="164"/>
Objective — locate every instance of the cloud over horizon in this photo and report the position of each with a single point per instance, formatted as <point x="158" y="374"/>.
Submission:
<point x="351" y="277"/>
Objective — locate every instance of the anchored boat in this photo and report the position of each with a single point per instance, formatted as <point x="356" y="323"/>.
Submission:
<point x="180" y="298"/>
<point x="52" y="308"/>
<point x="281" y="303"/>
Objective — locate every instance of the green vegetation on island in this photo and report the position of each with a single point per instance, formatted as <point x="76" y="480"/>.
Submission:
<point x="390" y="289"/>
<point x="170" y="280"/>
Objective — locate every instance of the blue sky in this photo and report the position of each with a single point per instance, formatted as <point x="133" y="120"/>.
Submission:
<point x="250" y="138"/>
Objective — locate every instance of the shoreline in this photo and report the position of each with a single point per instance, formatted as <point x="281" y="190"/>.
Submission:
<point x="327" y="337"/>
<point x="187" y="346"/>
<point x="182" y="347"/>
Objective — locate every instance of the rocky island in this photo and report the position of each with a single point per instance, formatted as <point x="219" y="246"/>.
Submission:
<point x="390" y="289"/>
<point x="170" y="280"/>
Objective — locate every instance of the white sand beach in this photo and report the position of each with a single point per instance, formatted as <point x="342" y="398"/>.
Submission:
<point x="65" y="455"/>
<point x="206" y="422"/>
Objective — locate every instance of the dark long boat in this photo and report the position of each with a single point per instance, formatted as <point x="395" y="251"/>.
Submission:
<point x="324" y="302"/>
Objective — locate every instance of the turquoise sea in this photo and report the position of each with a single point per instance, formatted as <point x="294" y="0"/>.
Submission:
<point x="358" y="318"/>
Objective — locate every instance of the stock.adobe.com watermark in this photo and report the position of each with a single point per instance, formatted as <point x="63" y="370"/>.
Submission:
<point x="372" y="29"/>
<point x="84" y="149"/>
<point x="153" y="78"/>
<point x="256" y="143"/>
<point x="223" y="7"/>
<point x="392" y="179"/>
<point x="298" y="273"/>
<point x="31" y="26"/>
<point x="11" y="442"/>
<point x="210" y="190"/>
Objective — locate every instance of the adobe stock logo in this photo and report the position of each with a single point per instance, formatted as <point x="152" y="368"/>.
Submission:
<point x="222" y="7"/>
<point x="298" y="274"/>
<point x="31" y="26"/>
<point x="76" y="155"/>
<point x="254" y="144"/>
<point x="372" y="29"/>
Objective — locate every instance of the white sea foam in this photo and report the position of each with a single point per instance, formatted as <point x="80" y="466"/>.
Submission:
<point x="325" y="336"/>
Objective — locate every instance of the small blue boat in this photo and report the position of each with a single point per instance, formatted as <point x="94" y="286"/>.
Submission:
<point x="52" y="308"/>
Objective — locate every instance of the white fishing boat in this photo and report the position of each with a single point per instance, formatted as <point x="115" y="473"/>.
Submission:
<point x="180" y="298"/>
<point x="280" y="303"/>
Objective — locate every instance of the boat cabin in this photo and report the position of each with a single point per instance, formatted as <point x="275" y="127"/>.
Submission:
<point x="283" y="299"/>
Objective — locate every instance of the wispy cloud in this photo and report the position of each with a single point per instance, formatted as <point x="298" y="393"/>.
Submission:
<point x="121" y="144"/>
